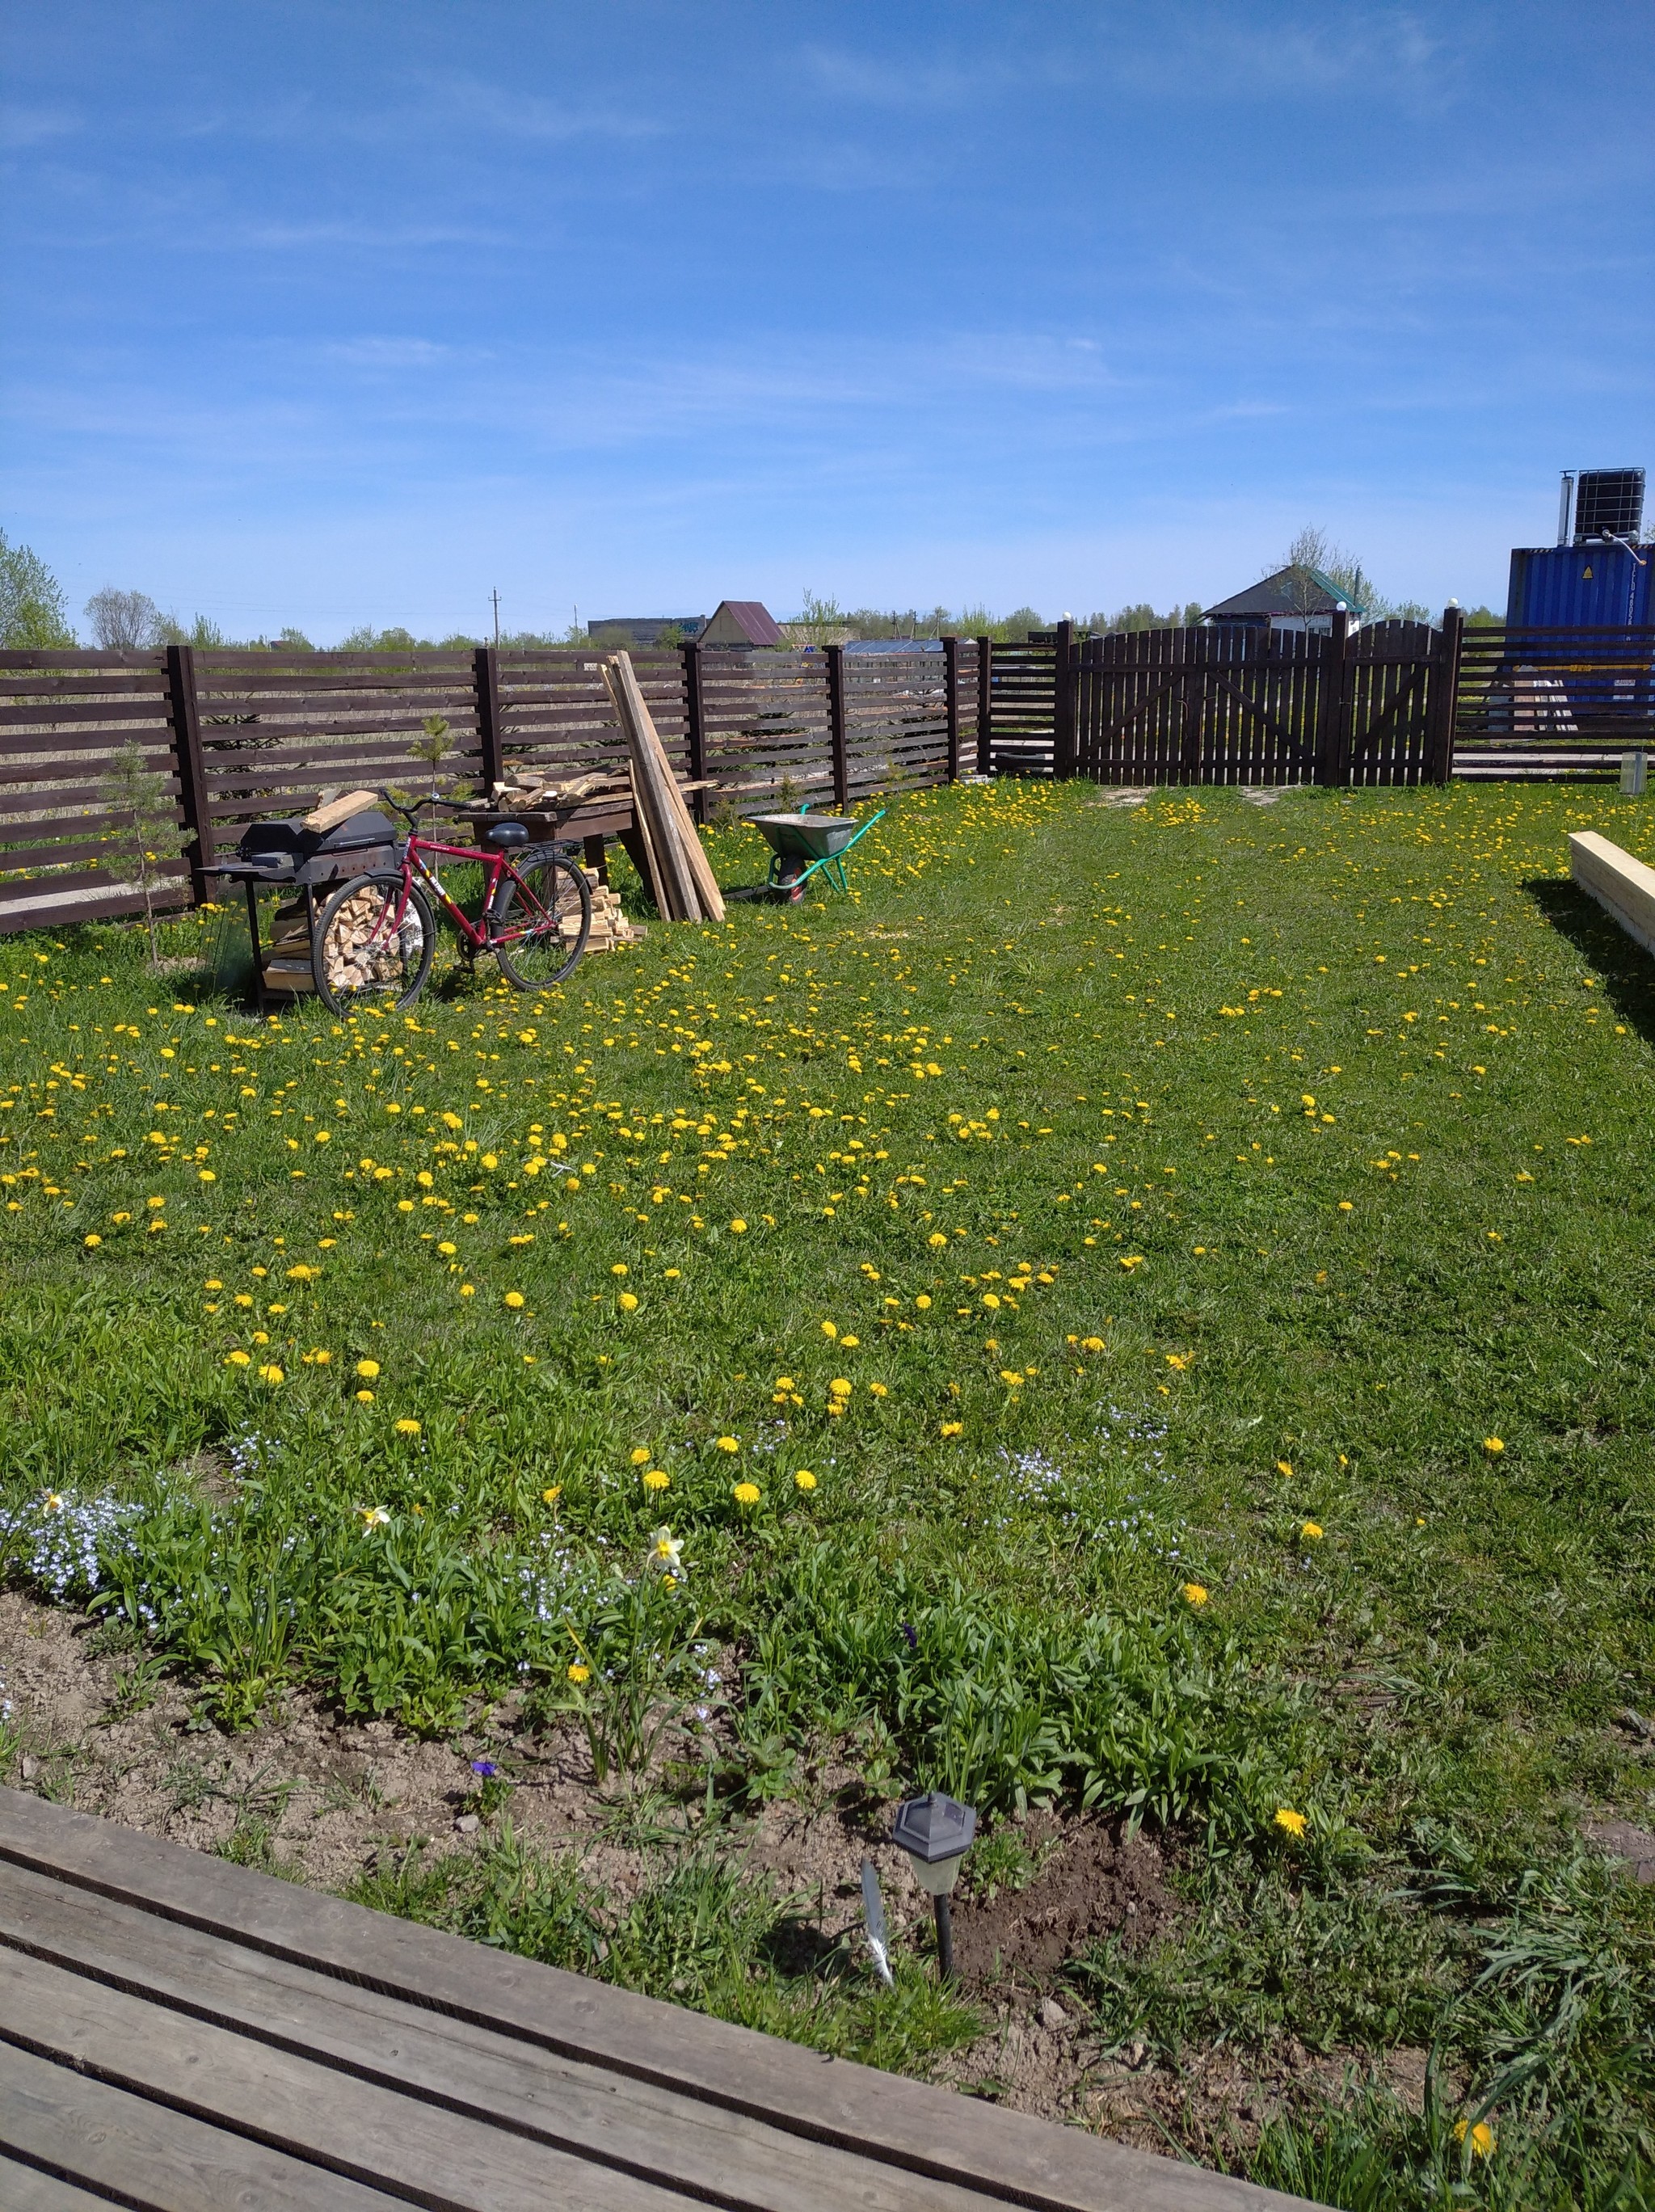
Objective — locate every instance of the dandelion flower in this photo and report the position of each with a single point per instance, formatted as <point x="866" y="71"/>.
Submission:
<point x="953" y="1428"/>
<point x="514" y="1299"/>
<point x="406" y="1427"/>
<point x="1493" y="1446"/>
<point x="804" y="1479"/>
<point x="368" y="1370"/>
<point x="1282" y="1467"/>
<point x="1194" y="1594"/>
<point x="728" y="1445"/>
<point x="552" y="1495"/>
<point x="658" y="1479"/>
<point x="746" y="1493"/>
<point x="640" y="1456"/>
<point x="580" y="1674"/>
<point x="1311" y="1532"/>
<point x="829" y="1329"/>
<point x="365" y="1397"/>
<point x="1289" y="1822"/>
<point x="923" y="1302"/>
<point x="878" y="1391"/>
<point x="1482" y="2137"/>
<point x="620" y="1268"/>
<point x="840" y="1387"/>
<point x="1091" y="1344"/>
<point x="738" y="1228"/>
<point x="990" y="1301"/>
<point x="626" y="1302"/>
<point x="238" y="1359"/>
<point x="93" y="1242"/>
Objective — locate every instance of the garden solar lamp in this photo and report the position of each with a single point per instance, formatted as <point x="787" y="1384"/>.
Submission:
<point x="935" y="1831"/>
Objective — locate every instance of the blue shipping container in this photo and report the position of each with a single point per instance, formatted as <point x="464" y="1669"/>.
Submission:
<point x="1578" y="588"/>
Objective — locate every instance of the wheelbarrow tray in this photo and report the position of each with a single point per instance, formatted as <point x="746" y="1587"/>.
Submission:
<point x="807" y="837"/>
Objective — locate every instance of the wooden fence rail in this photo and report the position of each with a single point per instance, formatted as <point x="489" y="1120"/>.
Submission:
<point x="253" y="730"/>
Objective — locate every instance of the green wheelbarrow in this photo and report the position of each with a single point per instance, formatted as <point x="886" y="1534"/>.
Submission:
<point x="803" y="844"/>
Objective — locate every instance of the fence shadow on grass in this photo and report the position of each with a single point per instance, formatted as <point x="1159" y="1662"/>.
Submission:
<point x="1628" y="972"/>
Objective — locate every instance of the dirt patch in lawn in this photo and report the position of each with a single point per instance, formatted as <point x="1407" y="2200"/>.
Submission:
<point x="1093" y="1880"/>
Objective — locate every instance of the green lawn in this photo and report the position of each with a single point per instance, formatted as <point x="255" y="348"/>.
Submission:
<point x="1177" y="1280"/>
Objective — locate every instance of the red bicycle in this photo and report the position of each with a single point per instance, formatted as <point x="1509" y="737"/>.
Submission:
<point x="377" y="935"/>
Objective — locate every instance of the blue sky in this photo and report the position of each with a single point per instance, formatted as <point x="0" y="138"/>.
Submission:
<point x="329" y="313"/>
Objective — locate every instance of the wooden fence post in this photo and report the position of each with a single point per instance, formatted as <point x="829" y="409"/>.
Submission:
<point x="694" y="725"/>
<point x="836" y="726"/>
<point x="1062" y="703"/>
<point x="1444" y="697"/>
<point x="984" y="707"/>
<point x="485" y="663"/>
<point x="202" y="848"/>
<point x="1332" y="741"/>
<point x="951" y="694"/>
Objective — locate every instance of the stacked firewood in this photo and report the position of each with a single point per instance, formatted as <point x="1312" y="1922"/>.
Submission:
<point x="610" y="925"/>
<point x="532" y="790"/>
<point x="287" y="955"/>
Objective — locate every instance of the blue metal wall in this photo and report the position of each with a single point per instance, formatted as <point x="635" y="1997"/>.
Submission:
<point x="1578" y="588"/>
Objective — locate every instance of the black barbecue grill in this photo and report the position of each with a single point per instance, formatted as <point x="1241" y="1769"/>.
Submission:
<point x="285" y="855"/>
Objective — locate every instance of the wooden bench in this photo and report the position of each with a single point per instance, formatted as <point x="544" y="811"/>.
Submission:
<point x="1622" y="886"/>
<point x="184" y="2035"/>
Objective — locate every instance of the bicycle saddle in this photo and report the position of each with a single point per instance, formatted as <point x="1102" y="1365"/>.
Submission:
<point x="507" y="833"/>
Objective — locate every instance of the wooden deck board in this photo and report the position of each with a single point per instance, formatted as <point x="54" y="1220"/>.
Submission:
<point x="330" y="2049"/>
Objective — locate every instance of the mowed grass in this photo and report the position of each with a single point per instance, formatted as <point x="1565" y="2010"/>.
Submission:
<point x="1141" y="1308"/>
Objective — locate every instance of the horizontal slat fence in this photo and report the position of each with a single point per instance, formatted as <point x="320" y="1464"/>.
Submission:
<point x="248" y="731"/>
<point x="61" y="717"/>
<point x="1552" y="702"/>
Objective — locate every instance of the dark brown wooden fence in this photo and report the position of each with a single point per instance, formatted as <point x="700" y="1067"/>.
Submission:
<point x="242" y="733"/>
<point x="256" y="731"/>
<point x="1232" y="705"/>
<point x="1553" y="702"/>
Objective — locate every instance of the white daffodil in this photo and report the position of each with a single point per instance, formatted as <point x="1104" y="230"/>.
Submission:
<point x="666" y="1554"/>
<point x="373" y="1516"/>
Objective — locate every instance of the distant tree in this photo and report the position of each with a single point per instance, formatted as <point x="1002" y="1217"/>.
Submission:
<point x="822" y="620"/>
<point x="123" y="622"/>
<point x="204" y="633"/>
<point x="294" y="639"/>
<point x="33" y="617"/>
<point x="139" y="800"/>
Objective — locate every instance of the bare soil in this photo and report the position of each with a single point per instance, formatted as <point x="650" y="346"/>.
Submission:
<point x="322" y="1799"/>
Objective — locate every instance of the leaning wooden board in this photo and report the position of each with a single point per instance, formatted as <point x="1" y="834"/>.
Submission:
<point x="180" y="2033"/>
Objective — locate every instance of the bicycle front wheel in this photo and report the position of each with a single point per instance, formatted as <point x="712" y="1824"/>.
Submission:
<point x="369" y="945"/>
<point x="539" y="931"/>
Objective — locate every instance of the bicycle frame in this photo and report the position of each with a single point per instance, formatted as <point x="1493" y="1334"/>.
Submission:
<point x="497" y="867"/>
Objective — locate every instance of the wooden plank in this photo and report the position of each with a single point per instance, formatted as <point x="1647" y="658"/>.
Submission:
<point x="901" y="2123"/>
<point x="350" y="2127"/>
<point x="27" y="2189"/>
<point x="1622" y="885"/>
<point x="653" y="2133"/>
<point x="130" y="2151"/>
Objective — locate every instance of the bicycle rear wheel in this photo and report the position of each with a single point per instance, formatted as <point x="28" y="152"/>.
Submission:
<point x="538" y="939"/>
<point x="362" y="950"/>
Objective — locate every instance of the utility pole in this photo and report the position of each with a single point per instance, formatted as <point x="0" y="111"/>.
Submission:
<point x="494" y="596"/>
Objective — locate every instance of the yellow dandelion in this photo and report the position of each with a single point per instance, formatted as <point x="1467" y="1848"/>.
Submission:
<point x="1289" y="1822"/>
<point x="365" y="1397"/>
<point x="953" y="1428"/>
<point x="620" y="1268"/>
<point x="238" y="1359"/>
<point x="923" y="1302"/>
<point x="829" y="1329"/>
<point x="1493" y="1446"/>
<point x="738" y="1228"/>
<point x="406" y="1427"/>
<point x="272" y="1375"/>
<point x="368" y="1369"/>
<point x="804" y="1479"/>
<point x="658" y="1479"/>
<point x="552" y="1495"/>
<point x="580" y="1674"/>
<point x="1194" y="1594"/>
<point x="640" y="1456"/>
<point x="1310" y="1532"/>
<point x="728" y="1445"/>
<point x="626" y="1302"/>
<point x="513" y="1299"/>
<point x="93" y="1242"/>
<point x="1482" y="2137"/>
<point x="746" y="1493"/>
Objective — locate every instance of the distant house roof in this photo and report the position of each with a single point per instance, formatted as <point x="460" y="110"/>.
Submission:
<point x="640" y="629"/>
<point x="741" y="622"/>
<point x="1290" y="591"/>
